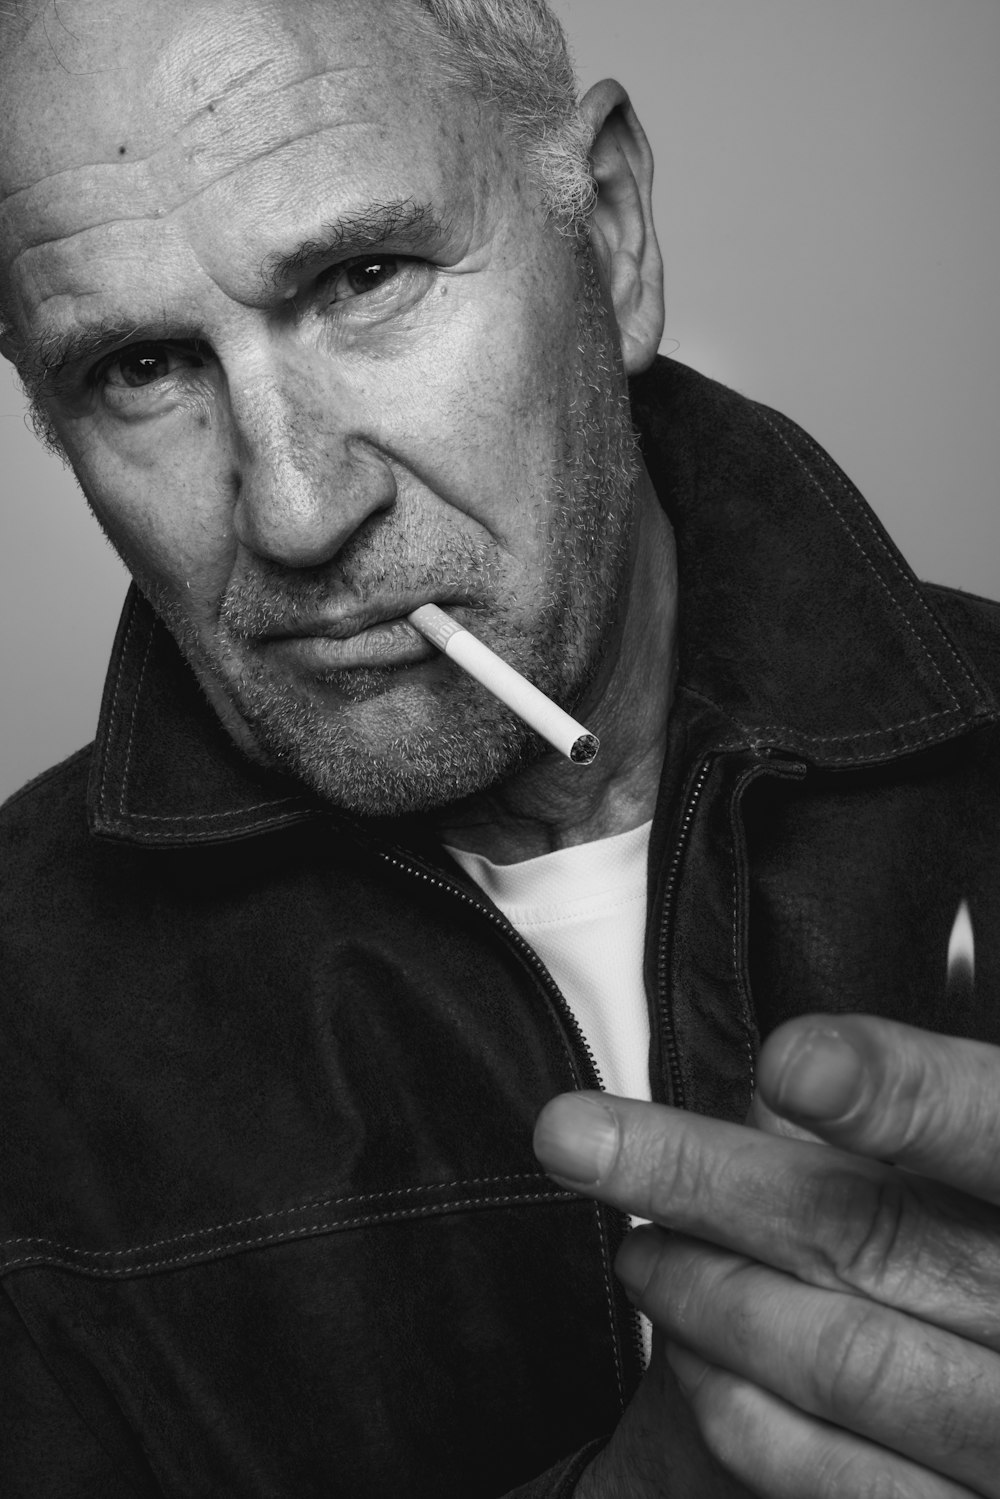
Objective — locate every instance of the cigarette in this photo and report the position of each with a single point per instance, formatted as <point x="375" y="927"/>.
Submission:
<point x="538" y="711"/>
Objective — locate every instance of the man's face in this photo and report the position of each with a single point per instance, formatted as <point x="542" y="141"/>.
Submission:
<point x="343" y="367"/>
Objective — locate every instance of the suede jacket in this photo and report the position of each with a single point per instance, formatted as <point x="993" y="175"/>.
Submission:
<point x="271" y="1224"/>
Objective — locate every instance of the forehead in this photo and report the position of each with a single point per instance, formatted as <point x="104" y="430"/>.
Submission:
<point x="202" y="131"/>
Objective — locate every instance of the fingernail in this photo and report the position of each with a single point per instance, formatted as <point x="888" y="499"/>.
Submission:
<point x="689" y="1369"/>
<point x="576" y="1137"/>
<point x="820" y="1077"/>
<point x="634" y="1264"/>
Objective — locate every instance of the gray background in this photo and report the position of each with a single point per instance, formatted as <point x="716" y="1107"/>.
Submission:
<point x="828" y="207"/>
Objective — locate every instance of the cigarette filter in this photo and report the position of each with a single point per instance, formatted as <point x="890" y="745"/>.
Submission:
<point x="537" y="710"/>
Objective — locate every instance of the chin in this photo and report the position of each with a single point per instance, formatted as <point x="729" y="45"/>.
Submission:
<point x="382" y="754"/>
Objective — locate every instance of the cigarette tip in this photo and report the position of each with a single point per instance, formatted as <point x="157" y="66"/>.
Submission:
<point x="583" y="751"/>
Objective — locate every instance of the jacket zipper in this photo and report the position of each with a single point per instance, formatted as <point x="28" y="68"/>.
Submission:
<point x="770" y="766"/>
<point x="514" y="937"/>
<point x="399" y="861"/>
<point x="665" y="1020"/>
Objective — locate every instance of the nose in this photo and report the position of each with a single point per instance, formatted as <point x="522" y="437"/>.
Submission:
<point x="306" y="476"/>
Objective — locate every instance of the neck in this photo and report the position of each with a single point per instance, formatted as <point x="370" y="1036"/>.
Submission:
<point x="555" y="804"/>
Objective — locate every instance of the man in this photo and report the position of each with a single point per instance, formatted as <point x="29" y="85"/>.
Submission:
<point x="333" y="308"/>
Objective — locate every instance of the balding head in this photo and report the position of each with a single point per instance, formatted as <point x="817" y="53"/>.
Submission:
<point x="511" y="53"/>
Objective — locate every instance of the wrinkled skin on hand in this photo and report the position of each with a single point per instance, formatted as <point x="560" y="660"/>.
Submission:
<point x="829" y="1290"/>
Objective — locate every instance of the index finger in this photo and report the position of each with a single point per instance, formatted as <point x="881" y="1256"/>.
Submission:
<point x="929" y="1103"/>
<point x="833" y="1219"/>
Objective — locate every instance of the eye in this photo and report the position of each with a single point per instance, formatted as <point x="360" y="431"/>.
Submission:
<point x="359" y="277"/>
<point x="143" y="364"/>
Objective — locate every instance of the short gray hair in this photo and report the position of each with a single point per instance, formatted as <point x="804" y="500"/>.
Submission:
<point x="513" y="53"/>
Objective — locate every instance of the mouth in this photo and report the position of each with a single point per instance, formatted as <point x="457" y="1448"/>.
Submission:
<point x="368" y="638"/>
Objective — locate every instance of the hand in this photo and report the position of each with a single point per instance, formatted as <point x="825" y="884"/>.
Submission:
<point x="833" y="1314"/>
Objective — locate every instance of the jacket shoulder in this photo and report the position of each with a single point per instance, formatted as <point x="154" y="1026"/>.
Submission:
<point x="54" y="801"/>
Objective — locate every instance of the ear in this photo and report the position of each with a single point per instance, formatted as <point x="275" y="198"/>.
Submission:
<point x="621" y="224"/>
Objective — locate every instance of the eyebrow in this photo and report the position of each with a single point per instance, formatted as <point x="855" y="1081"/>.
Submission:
<point x="403" y="221"/>
<point x="44" y="359"/>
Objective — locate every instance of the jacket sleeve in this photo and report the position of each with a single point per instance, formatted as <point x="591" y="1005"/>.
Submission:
<point x="47" y="1451"/>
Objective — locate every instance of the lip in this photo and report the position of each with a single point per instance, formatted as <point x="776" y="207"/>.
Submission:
<point x="349" y="626"/>
<point x="337" y="645"/>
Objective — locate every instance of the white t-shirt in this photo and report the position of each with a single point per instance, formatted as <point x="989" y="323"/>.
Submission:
<point x="583" y="910"/>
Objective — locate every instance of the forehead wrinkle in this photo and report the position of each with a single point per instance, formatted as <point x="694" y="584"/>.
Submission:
<point x="162" y="212"/>
<point x="222" y="129"/>
<point x="241" y="79"/>
<point x="237" y="83"/>
<point x="66" y="239"/>
<point x="241" y="137"/>
<point x="297" y="107"/>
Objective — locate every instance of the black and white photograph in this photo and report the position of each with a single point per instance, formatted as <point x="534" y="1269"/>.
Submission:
<point x="500" y="775"/>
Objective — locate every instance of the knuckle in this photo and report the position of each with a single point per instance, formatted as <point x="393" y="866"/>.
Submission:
<point x="875" y="1367"/>
<point x="675" y="1171"/>
<point x="903" y="1244"/>
<point x="857" y="1363"/>
<point x="863" y="1230"/>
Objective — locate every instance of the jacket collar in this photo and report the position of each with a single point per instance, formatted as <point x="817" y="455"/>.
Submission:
<point x="801" y="630"/>
<point x="800" y="623"/>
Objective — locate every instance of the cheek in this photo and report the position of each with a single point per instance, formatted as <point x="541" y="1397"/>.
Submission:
<point x="166" y="507"/>
<point x="483" y="410"/>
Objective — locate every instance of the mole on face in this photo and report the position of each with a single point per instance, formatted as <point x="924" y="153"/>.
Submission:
<point x="121" y="150"/>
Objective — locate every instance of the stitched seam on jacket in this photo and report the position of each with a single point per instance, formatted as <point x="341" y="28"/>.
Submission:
<point x="279" y="1236"/>
<point x="285" y="801"/>
<point x="901" y="572"/>
<point x="312" y="1206"/>
<point x="754" y="731"/>
<point x="138" y="836"/>
<point x="113" y="714"/>
<point x="818" y="453"/>
<point x="610" y="1302"/>
<point x="739" y="849"/>
<point x="131" y="728"/>
<point x="185" y="817"/>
